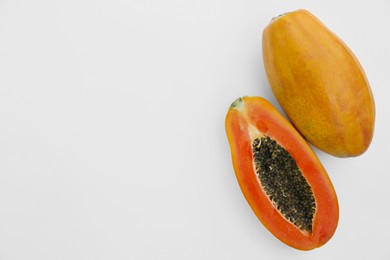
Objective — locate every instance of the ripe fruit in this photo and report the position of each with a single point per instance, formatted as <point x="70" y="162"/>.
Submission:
<point x="280" y="176"/>
<point x="319" y="83"/>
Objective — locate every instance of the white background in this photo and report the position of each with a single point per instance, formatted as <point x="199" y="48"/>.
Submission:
<point x="112" y="139"/>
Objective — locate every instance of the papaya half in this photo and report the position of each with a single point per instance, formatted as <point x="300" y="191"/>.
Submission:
<point x="280" y="176"/>
<point x="319" y="83"/>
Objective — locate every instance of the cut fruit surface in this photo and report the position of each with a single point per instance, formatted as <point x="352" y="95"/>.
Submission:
<point x="280" y="176"/>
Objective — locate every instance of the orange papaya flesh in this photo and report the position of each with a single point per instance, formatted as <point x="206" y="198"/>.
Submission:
<point x="280" y="176"/>
<point x="319" y="83"/>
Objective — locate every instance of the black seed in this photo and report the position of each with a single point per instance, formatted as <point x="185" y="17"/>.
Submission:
<point x="284" y="183"/>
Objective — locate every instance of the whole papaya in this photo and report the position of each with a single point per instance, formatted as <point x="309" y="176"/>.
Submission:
<point x="319" y="83"/>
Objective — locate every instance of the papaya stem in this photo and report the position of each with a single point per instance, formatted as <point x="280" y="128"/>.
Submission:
<point x="276" y="17"/>
<point x="237" y="103"/>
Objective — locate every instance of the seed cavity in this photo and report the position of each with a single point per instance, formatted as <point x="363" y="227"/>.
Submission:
<point x="284" y="183"/>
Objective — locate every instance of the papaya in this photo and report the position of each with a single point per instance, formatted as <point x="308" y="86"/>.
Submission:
<point x="280" y="176"/>
<point x="319" y="83"/>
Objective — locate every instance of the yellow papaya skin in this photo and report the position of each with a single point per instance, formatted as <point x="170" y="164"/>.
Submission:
<point x="319" y="83"/>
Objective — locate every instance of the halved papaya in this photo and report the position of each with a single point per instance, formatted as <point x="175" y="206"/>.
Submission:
<point x="280" y="176"/>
